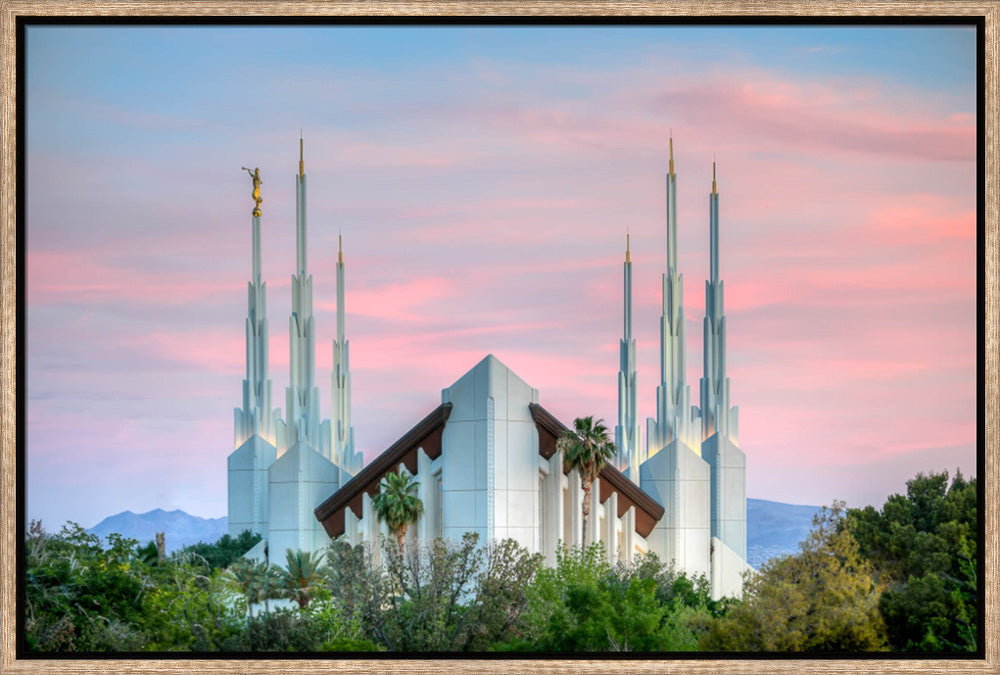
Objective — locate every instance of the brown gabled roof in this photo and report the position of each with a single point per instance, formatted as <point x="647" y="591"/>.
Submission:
<point x="647" y="511"/>
<point x="426" y="434"/>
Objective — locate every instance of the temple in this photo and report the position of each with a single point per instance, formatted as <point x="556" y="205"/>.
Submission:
<point x="486" y="458"/>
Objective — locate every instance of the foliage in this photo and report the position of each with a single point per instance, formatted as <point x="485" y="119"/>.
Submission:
<point x="822" y="599"/>
<point x="222" y="553"/>
<point x="923" y="548"/>
<point x="302" y="575"/>
<point x="397" y="505"/>
<point x="79" y="595"/>
<point x="587" y="449"/>
<point x="585" y="603"/>
<point x="438" y="597"/>
<point x="190" y="608"/>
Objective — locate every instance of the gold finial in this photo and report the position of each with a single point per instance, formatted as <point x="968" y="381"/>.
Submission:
<point x="714" y="189"/>
<point x="255" y="176"/>
<point x="671" y="153"/>
<point x="340" y="249"/>
<point x="302" y="166"/>
<point x="628" y="260"/>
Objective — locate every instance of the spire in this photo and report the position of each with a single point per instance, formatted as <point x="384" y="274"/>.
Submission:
<point x="302" y="396"/>
<point x="716" y="416"/>
<point x="673" y="396"/>
<point x="302" y="164"/>
<point x="256" y="415"/>
<point x="343" y="455"/>
<point x="671" y="153"/>
<point x="627" y="429"/>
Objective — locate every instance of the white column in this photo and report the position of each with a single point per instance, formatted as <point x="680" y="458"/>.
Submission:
<point x="611" y="526"/>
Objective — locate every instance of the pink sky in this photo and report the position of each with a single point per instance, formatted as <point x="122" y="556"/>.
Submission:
<point x="484" y="201"/>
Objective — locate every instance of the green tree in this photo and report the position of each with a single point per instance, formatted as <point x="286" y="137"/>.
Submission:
<point x="223" y="552"/>
<point x="822" y="599"/>
<point x="82" y="596"/>
<point x="587" y="449"/>
<point x="190" y="608"/>
<point x="923" y="548"/>
<point x="585" y="603"/>
<point x="302" y="575"/>
<point x="397" y="504"/>
<point x="439" y="596"/>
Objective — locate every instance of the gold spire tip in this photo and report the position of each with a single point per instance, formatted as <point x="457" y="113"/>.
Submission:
<point x="714" y="187"/>
<point x="340" y="249"/>
<point x="628" y="259"/>
<point x="302" y="165"/>
<point x="671" y="153"/>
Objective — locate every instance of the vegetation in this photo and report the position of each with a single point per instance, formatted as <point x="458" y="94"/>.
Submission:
<point x="822" y="599"/>
<point x="900" y="578"/>
<point x="923" y="549"/>
<point x="587" y="449"/>
<point x="397" y="505"/>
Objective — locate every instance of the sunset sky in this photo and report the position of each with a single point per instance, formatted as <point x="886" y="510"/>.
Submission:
<point x="484" y="179"/>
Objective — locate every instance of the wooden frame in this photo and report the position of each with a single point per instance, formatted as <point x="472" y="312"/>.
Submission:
<point x="11" y="9"/>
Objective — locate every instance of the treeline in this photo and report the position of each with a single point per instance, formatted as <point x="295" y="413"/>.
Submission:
<point x="901" y="578"/>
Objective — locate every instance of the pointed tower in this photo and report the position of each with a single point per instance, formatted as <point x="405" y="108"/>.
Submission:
<point x="627" y="430"/>
<point x="302" y="396"/>
<point x="674" y="415"/>
<point x="344" y="455"/>
<point x="719" y="428"/>
<point x="716" y="415"/>
<point x="674" y="472"/>
<point x="256" y="423"/>
<point x="303" y="475"/>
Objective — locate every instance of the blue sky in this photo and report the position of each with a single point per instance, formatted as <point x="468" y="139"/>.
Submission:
<point x="483" y="179"/>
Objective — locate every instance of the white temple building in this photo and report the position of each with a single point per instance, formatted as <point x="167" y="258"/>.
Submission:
<point x="486" y="458"/>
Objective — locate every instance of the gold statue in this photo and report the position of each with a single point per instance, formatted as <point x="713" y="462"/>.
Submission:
<point x="255" y="176"/>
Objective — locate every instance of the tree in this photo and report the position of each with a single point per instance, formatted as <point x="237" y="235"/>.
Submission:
<point x="822" y="599"/>
<point x="587" y="449"/>
<point x="302" y="575"/>
<point x="397" y="505"/>
<point x="436" y="596"/>
<point x="225" y="551"/>
<point x="923" y="549"/>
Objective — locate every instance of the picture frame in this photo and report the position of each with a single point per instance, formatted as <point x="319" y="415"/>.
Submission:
<point x="11" y="368"/>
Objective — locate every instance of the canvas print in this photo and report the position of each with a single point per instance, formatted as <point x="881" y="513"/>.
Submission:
<point x="541" y="339"/>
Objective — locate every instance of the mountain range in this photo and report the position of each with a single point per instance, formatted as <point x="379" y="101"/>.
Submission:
<point x="773" y="528"/>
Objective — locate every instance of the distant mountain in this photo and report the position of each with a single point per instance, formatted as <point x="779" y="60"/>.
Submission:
<point x="180" y="529"/>
<point x="775" y="529"/>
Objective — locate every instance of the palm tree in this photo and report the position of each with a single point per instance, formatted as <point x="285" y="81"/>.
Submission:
<point x="587" y="449"/>
<point x="397" y="505"/>
<point x="243" y="574"/>
<point x="302" y="574"/>
<point x="266" y="583"/>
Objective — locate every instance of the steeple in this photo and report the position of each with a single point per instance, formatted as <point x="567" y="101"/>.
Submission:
<point x="627" y="430"/>
<point x="344" y="455"/>
<point x="256" y="416"/>
<point x="302" y="396"/>
<point x="716" y="415"/>
<point x="673" y="395"/>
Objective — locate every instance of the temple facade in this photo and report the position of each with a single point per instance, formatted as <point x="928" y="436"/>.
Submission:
<point x="486" y="459"/>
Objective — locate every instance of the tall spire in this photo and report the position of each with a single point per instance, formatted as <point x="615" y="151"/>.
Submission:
<point x="627" y="430"/>
<point x="673" y="395"/>
<point x="716" y="415"/>
<point x="302" y="396"/>
<point x="344" y="455"/>
<point x="256" y="416"/>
